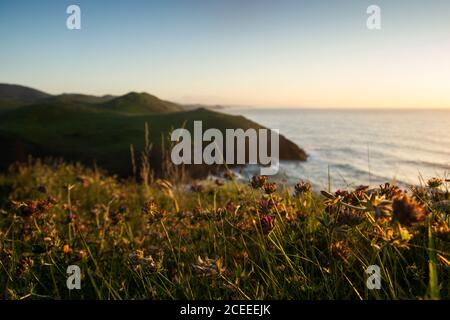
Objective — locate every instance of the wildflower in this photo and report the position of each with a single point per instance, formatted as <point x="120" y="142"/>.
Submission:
<point x="340" y="250"/>
<point x="136" y="256"/>
<point x="25" y="265"/>
<point x="150" y="207"/>
<point x="152" y="211"/>
<point x="80" y="227"/>
<point x="26" y="209"/>
<point x="71" y="217"/>
<point x="407" y="211"/>
<point x="341" y="193"/>
<point x="80" y="255"/>
<point x="358" y="194"/>
<point x="267" y="223"/>
<point x="48" y="240"/>
<point x="258" y="182"/>
<point x="66" y="249"/>
<point x="350" y="217"/>
<point x="265" y="206"/>
<point x="389" y="191"/>
<point x="435" y="183"/>
<point x="376" y="204"/>
<point x="138" y="259"/>
<point x="231" y="207"/>
<point x="209" y="267"/>
<point x="150" y="264"/>
<point x="220" y="212"/>
<point x="270" y="187"/>
<point x="46" y="204"/>
<point x="302" y="187"/>
<point x="355" y="196"/>
<point x="442" y="231"/>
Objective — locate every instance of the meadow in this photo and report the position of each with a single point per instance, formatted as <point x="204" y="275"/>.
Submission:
<point x="175" y="238"/>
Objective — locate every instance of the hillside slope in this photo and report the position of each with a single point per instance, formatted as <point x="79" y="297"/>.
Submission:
<point x="77" y="132"/>
<point x="140" y="103"/>
<point x="13" y="96"/>
<point x="77" y="98"/>
<point x="100" y="130"/>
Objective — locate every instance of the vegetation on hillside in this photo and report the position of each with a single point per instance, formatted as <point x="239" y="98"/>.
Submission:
<point x="102" y="130"/>
<point x="220" y="239"/>
<point x="140" y="103"/>
<point x="14" y="96"/>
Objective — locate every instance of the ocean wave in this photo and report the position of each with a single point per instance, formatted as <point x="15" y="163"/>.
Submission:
<point x="421" y="164"/>
<point x="356" y="144"/>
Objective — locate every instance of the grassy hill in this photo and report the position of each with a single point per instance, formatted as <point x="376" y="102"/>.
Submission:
<point x="77" y="98"/>
<point x="101" y="133"/>
<point x="13" y="96"/>
<point x="140" y="103"/>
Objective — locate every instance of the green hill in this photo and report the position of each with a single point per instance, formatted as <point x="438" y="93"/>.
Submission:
<point x="140" y="103"/>
<point x="70" y="127"/>
<point x="13" y="96"/>
<point x="77" y="98"/>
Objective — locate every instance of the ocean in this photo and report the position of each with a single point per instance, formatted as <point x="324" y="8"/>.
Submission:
<point x="347" y="148"/>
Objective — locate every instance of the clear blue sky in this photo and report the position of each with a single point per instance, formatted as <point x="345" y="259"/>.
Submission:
<point x="252" y="52"/>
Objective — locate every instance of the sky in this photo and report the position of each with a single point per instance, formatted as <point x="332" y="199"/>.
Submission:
<point x="266" y="53"/>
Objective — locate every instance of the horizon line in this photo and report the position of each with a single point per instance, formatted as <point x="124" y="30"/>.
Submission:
<point x="242" y="106"/>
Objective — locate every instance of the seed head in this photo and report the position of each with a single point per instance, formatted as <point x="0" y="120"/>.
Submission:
<point x="340" y="250"/>
<point x="302" y="187"/>
<point x="270" y="187"/>
<point x="258" y="182"/>
<point x="350" y="217"/>
<point x="435" y="183"/>
<point x="408" y="211"/>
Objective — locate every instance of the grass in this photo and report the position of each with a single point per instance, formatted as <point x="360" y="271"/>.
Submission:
<point x="222" y="239"/>
<point x="89" y="134"/>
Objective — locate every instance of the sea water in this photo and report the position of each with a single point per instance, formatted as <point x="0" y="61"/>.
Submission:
<point x="354" y="147"/>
